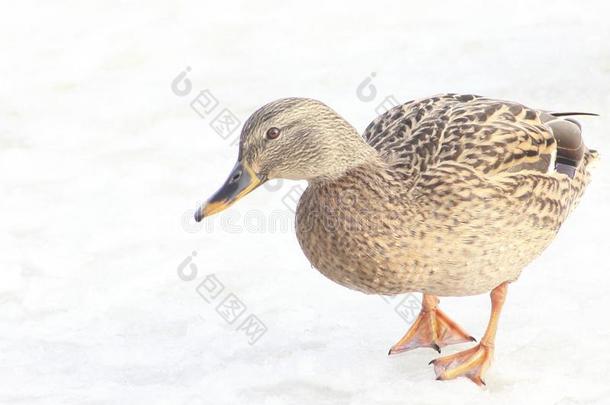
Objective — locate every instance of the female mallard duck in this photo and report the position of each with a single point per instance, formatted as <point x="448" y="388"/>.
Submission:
<point x="449" y="196"/>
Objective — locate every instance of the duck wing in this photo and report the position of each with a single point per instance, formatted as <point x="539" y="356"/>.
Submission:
<point x="489" y="136"/>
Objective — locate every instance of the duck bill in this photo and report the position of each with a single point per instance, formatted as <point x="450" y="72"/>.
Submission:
<point x="241" y="181"/>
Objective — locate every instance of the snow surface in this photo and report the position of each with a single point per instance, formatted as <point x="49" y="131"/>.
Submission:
<point x="101" y="164"/>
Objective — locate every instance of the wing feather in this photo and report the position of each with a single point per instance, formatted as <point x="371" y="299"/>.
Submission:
<point x="490" y="136"/>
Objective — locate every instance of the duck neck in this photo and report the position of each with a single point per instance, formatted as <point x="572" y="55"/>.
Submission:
<point x="351" y="152"/>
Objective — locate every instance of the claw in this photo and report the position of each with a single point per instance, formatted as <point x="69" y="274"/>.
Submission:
<point x="471" y="363"/>
<point x="474" y="362"/>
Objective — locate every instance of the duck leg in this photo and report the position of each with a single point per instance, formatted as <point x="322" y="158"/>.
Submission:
<point x="473" y="363"/>
<point x="432" y="328"/>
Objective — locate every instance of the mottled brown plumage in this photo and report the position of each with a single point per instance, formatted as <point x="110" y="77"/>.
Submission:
<point x="451" y="195"/>
<point x="464" y="194"/>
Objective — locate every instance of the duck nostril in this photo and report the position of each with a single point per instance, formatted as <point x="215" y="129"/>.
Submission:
<point x="236" y="177"/>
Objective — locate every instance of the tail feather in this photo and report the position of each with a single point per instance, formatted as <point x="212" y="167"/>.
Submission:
<point x="565" y="114"/>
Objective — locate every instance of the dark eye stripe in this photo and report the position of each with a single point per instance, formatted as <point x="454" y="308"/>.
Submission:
<point x="273" y="133"/>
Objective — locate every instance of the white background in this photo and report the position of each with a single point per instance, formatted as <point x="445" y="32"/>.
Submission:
<point x="100" y="161"/>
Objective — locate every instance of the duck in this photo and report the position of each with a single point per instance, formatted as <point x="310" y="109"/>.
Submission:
<point x="448" y="196"/>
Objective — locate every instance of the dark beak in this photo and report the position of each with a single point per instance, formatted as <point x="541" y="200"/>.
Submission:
<point x="241" y="181"/>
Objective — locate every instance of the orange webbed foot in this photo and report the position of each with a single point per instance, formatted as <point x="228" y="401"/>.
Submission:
<point x="432" y="328"/>
<point x="471" y="363"/>
<point x="474" y="362"/>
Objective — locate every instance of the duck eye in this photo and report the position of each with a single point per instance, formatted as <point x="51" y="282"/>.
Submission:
<point x="273" y="133"/>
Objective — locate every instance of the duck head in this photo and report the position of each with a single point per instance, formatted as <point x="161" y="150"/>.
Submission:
<point x="292" y="138"/>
